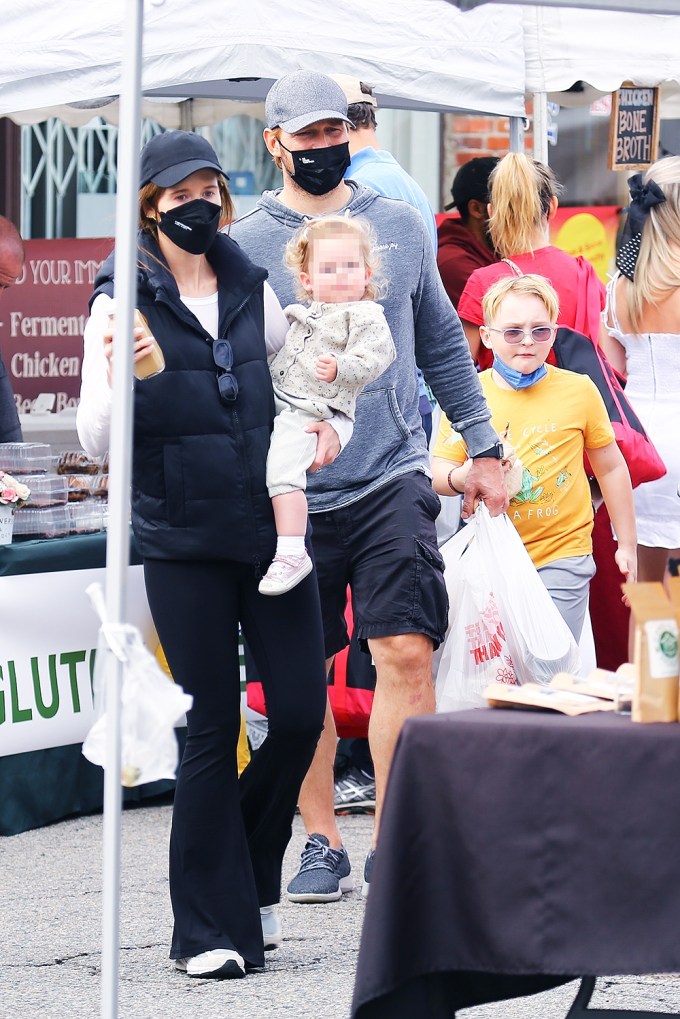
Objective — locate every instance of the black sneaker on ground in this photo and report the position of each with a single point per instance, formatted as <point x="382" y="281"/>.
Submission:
<point x="368" y="867"/>
<point x="354" y="793"/>
<point x="324" y="873"/>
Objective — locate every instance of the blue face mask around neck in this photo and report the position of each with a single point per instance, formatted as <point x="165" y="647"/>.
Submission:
<point x="516" y="379"/>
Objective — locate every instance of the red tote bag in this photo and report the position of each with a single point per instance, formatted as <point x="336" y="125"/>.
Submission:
<point x="574" y="351"/>
<point x="351" y="685"/>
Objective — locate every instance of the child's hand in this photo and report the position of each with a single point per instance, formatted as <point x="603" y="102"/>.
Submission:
<point x="626" y="560"/>
<point x="513" y="468"/>
<point x="326" y="368"/>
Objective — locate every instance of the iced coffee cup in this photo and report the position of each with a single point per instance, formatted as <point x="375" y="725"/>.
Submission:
<point x="152" y="363"/>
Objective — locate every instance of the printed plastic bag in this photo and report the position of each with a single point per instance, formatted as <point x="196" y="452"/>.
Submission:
<point x="151" y="705"/>
<point x="503" y="624"/>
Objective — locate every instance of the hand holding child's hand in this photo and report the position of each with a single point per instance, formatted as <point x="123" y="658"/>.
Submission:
<point x="326" y="368"/>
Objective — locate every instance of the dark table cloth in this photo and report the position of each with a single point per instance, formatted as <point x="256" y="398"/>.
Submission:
<point x="519" y="849"/>
<point x="44" y="786"/>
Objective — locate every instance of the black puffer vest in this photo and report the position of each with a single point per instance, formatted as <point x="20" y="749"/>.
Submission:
<point x="198" y="474"/>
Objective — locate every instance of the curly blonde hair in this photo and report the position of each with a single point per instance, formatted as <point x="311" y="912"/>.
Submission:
<point x="298" y="250"/>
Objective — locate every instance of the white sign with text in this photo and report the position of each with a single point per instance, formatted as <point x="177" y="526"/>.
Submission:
<point x="48" y="640"/>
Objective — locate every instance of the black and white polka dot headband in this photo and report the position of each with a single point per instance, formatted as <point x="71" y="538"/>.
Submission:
<point x="643" y="198"/>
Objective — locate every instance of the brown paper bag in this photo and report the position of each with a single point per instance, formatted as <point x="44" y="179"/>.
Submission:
<point x="655" y="657"/>
<point x="673" y="588"/>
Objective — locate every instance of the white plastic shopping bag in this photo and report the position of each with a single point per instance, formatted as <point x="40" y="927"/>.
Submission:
<point x="151" y="705"/>
<point x="503" y="624"/>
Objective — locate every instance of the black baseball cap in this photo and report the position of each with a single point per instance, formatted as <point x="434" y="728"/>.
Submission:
<point x="173" y="155"/>
<point x="472" y="181"/>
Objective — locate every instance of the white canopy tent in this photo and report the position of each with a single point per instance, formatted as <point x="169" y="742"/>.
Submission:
<point x="416" y="53"/>
<point x="600" y="49"/>
<point x="631" y="6"/>
<point x="603" y="48"/>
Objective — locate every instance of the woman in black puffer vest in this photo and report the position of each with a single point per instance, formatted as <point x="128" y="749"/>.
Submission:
<point x="204" y="526"/>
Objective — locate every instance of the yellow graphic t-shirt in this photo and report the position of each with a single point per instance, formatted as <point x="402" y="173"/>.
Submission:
<point x="550" y="425"/>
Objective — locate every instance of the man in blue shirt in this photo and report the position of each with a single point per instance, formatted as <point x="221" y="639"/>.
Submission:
<point x="372" y="165"/>
<point x="378" y="169"/>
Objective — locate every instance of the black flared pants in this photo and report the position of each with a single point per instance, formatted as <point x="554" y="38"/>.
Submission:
<point x="228" y="834"/>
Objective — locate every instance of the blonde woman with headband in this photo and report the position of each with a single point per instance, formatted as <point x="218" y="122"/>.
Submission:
<point x="337" y="343"/>
<point x="642" y="320"/>
<point x="523" y="200"/>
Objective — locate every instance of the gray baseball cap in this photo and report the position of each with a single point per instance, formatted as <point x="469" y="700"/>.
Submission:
<point x="302" y="98"/>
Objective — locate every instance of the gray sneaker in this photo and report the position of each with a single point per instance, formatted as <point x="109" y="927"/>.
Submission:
<point x="324" y="873"/>
<point x="368" y="870"/>
<point x="354" y="793"/>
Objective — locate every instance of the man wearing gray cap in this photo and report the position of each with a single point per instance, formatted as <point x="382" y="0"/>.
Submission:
<point x="373" y="509"/>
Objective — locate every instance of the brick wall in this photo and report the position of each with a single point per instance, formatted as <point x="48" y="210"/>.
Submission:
<point x="465" y="136"/>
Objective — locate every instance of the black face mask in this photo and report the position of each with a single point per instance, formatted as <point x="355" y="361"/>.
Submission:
<point x="193" y="226"/>
<point x="318" y="171"/>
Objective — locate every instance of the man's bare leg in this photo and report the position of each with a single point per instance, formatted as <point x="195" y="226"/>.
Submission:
<point x="325" y="870"/>
<point x="316" y="799"/>
<point x="404" y="688"/>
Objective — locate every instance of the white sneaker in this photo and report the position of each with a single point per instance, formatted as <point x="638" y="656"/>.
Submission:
<point x="219" y="964"/>
<point x="284" y="573"/>
<point x="272" y="932"/>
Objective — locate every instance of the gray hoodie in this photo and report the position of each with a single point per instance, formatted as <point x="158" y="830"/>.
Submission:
<point x="388" y="439"/>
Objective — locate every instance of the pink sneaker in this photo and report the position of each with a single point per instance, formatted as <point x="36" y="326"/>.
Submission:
<point x="284" y="573"/>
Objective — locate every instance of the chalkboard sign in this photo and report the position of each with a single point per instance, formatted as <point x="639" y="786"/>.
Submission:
<point x="634" y="128"/>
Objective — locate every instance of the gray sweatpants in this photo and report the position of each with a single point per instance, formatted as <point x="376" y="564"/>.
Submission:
<point x="568" y="583"/>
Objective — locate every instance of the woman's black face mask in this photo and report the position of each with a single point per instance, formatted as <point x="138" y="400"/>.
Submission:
<point x="192" y="226"/>
<point x="318" y="171"/>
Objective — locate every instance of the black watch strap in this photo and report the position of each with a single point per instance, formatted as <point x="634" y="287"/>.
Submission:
<point x="495" y="451"/>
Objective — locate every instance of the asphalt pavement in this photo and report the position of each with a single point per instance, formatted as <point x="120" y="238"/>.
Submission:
<point x="50" y="932"/>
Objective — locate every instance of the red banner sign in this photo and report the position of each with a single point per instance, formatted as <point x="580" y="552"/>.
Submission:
<point x="42" y="318"/>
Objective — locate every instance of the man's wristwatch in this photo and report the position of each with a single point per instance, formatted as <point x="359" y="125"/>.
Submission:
<point x="495" y="452"/>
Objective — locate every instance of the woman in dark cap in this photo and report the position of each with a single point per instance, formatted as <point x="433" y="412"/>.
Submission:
<point x="204" y="526"/>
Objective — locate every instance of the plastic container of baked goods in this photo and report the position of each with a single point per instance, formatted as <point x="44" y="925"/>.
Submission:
<point x="85" y="517"/>
<point x="100" y="486"/>
<point x="25" y="457"/>
<point x="46" y="490"/>
<point x="33" y="524"/>
<point x="79" y="486"/>
<point x="77" y="462"/>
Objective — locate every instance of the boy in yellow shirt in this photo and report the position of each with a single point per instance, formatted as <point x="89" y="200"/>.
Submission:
<point x="551" y="417"/>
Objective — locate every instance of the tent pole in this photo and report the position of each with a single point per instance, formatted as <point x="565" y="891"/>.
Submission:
<point x="516" y="134"/>
<point x="120" y="447"/>
<point x="541" y="127"/>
